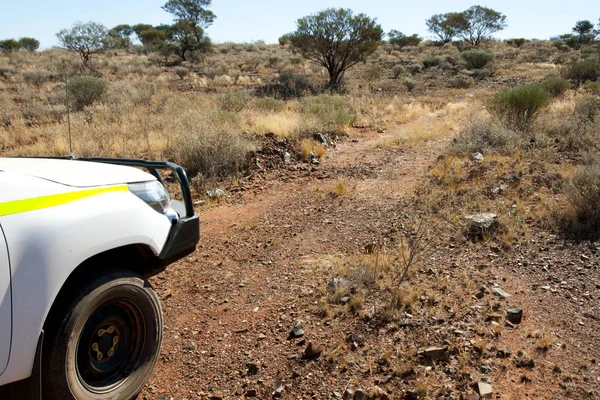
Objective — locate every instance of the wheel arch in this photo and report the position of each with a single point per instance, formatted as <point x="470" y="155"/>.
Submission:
<point x="137" y="258"/>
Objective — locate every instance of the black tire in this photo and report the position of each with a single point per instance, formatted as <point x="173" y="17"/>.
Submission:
<point x="105" y="342"/>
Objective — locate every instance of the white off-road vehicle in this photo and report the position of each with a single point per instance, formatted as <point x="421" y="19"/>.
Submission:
<point x="78" y="239"/>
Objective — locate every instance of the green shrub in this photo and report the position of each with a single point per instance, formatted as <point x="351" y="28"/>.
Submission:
<point x="333" y="112"/>
<point x="182" y="72"/>
<point x="593" y="88"/>
<point x="517" y="108"/>
<point x="35" y="77"/>
<point x="516" y="42"/>
<point x="269" y="104"/>
<point x="410" y="84"/>
<point x="583" y="71"/>
<point x="398" y="70"/>
<point x="414" y="68"/>
<point x="205" y="147"/>
<point x="295" y="84"/>
<point x="460" y="81"/>
<point x="588" y="108"/>
<point x="431" y="61"/>
<point x="584" y="196"/>
<point x="555" y="85"/>
<point x="487" y="138"/>
<point x="85" y="91"/>
<point x="477" y="59"/>
<point x="233" y="101"/>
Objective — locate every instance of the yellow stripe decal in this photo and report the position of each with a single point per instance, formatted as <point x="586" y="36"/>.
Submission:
<point x="53" y="200"/>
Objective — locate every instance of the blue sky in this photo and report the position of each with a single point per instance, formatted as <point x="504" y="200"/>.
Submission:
<point x="250" y="20"/>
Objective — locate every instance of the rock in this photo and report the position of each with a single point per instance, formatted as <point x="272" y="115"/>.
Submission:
<point x="480" y="295"/>
<point x="345" y="300"/>
<point x="297" y="331"/>
<point x="252" y="368"/>
<point x="337" y="395"/>
<point x="514" y="315"/>
<point x="319" y="137"/>
<point x="278" y="392"/>
<point x="360" y="394"/>
<point x="251" y="393"/>
<point x="482" y="223"/>
<point x="477" y="157"/>
<point x="503" y="353"/>
<point x="499" y="292"/>
<point x="470" y="396"/>
<point x="334" y="284"/>
<point x="287" y="157"/>
<point x="312" y="351"/>
<point x="348" y="394"/>
<point x="410" y="395"/>
<point x="262" y="336"/>
<point x="215" y="193"/>
<point x="484" y="389"/>
<point x="436" y="353"/>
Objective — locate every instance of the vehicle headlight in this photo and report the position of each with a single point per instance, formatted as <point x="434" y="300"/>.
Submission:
<point x="154" y="194"/>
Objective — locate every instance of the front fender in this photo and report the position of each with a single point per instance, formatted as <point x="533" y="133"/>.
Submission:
<point x="47" y="245"/>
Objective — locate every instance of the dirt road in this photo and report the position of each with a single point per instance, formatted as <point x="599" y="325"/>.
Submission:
<point x="264" y="260"/>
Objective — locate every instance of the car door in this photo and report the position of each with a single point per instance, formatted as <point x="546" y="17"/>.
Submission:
<point x="5" y="304"/>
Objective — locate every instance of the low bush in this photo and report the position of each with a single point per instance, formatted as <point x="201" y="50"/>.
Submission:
<point x="269" y="104"/>
<point x="477" y="59"/>
<point x="233" y="101"/>
<point x="398" y="70"/>
<point x="555" y="85"/>
<point x="584" y="196"/>
<point x="583" y="71"/>
<point x="485" y="137"/>
<point x="410" y="84"/>
<point x="431" y="61"/>
<point x="588" y="108"/>
<point x="207" y="148"/>
<point x="333" y="112"/>
<point x="460" y="81"/>
<point x="182" y="72"/>
<point x="517" y="108"/>
<point x="295" y="84"/>
<point x="35" y="77"/>
<point x="593" y="88"/>
<point x="85" y="91"/>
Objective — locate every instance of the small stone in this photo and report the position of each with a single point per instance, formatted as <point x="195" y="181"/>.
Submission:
<point x="262" y="336"/>
<point x="334" y="284"/>
<point x="436" y="353"/>
<point x="279" y="391"/>
<point x="514" y="315"/>
<point x="477" y="156"/>
<point x="503" y="353"/>
<point x="501" y="293"/>
<point x="287" y="157"/>
<point x="216" y="193"/>
<point x="345" y="300"/>
<point x="252" y="368"/>
<point x="480" y="295"/>
<point x="410" y="395"/>
<point x="297" y="331"/>
<point x="312" y="351"/>
<point x="348" y="394"/>
<point x="337" y="395"/>
<point x="215" y="396"/>
<point x="484" y="389"/>
<point x="360" y="395"/>
<point x="251" y="393"/>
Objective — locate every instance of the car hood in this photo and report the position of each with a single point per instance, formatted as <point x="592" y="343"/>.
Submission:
<point x="74" y="173"/>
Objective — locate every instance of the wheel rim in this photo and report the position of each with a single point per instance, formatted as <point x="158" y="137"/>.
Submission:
<point x="111" y="345"/>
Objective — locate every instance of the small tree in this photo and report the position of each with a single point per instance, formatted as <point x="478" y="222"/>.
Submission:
<point x="120" y="36"/>
<point x="84" y="38"/>
<point x="29" y="44"/>
<point x="336" y="39"/>
<point x="401" y="40"/>
<point x="185" y="39"/>
<point x="9" y="45"/>
<point x="584" y="31"/>
<point x="152" y="39"/>
<point x="445" y="26"/>
<point x="478" y="23"/>
<point x="194" y="12"/>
